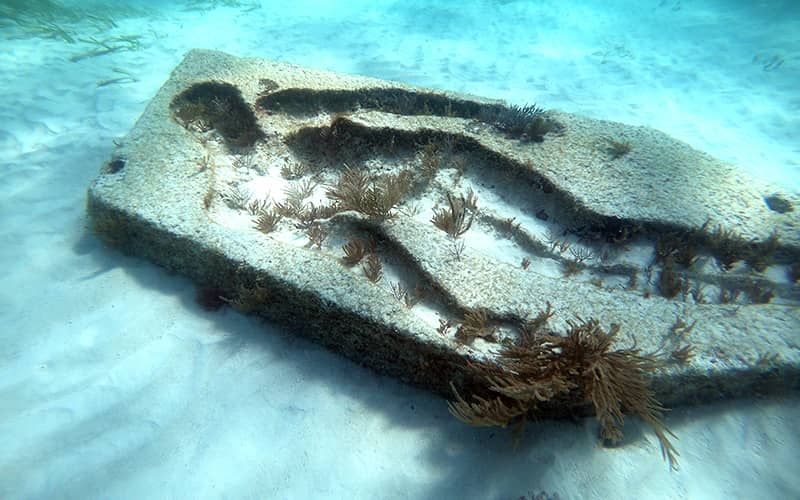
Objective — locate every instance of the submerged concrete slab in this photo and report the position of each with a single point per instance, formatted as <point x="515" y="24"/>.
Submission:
<point x="232" y="173"/>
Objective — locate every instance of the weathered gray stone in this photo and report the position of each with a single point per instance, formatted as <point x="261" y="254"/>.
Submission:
<point x="162" y="198"/>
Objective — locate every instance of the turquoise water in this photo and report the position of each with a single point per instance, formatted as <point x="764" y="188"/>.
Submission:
<point x="115" y="384"/>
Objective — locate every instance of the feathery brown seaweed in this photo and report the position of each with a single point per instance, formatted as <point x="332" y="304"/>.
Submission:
<point x="372" y="267"/>
<point x="354" y="251"/>
<point x="581" y="367"/>
<point x="454" y="221"/>
<point x="374" y="198"/>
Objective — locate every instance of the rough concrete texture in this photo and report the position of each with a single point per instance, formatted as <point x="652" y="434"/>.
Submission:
<point x="169" y="194"/>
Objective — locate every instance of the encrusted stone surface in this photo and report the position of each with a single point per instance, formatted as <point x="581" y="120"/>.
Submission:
<point x="167" y="196"/>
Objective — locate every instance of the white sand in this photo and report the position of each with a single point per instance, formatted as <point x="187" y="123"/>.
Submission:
<point x="115" y="384"/>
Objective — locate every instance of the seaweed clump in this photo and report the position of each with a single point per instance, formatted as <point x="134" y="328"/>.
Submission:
<point x="617" y="149"/>
<point x="680" y="246"/>
<point x="670" y="282"/>
<point x="528" y="122"/>
<point x="373" y="197"/>
<point x="761" y="253"/>
<point x="454" y="221"/>
<point x="578" y="368"/>
<point x="612" y="230"/>
<point x="727" y="246"/>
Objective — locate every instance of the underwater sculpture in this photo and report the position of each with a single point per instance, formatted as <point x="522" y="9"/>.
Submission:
<point x="519" y="262"/>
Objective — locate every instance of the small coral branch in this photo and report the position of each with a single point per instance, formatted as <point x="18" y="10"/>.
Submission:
<point x="267" y="221"/>
<point x="454" y="221"/>
<point x="528" y="122"/>
<point x="617" y="149"/>
<point x="354" y="251"/>
<point x="475" y="324"/>
<point x="372" y="267"/>
<point x="374" y="198"/>
<point x="483" y="412"/>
